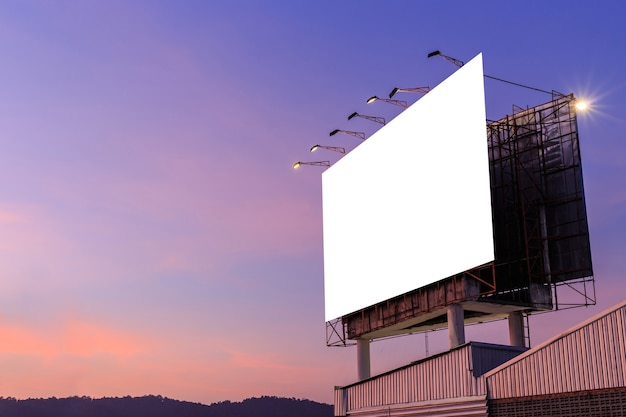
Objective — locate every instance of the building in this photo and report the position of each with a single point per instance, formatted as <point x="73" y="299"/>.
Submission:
<point x="580" y="372"/>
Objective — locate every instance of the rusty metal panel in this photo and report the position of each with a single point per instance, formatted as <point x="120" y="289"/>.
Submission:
<point x="587" y="357"/>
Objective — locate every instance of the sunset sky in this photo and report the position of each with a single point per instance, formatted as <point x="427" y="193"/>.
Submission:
<point x="154" y="238"/>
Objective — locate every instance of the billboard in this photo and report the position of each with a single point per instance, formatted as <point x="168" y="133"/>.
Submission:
<point x="411" y="205"/>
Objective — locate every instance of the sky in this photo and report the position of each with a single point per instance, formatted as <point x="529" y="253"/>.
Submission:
<point x="154" y="238"/>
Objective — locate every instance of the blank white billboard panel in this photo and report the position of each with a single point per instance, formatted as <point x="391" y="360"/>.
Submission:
<point x="411" y="205"/>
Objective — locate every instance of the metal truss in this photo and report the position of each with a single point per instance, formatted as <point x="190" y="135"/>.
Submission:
<point x="336" y="334"/>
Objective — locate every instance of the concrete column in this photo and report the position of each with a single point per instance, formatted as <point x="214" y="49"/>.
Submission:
<point x="516" y="329"/>
<point x="456" y="325"/>
<point x="363" y="358"/>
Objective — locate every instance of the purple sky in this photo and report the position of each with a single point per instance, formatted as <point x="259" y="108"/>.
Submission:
<point x="155" y="239"/>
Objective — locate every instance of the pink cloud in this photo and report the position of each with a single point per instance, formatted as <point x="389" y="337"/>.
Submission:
<point x="74" y="355"/>
<point x="73" y="337"/>
<point x="8" y="217"/>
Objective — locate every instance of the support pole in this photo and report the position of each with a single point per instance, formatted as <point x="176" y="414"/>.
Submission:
<point x="363" y="358"/>
<point x="456" y="325"/>
<point x="516" y="329"/>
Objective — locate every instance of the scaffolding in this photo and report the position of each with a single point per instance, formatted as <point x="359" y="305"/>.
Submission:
<point x="541" y="233"/>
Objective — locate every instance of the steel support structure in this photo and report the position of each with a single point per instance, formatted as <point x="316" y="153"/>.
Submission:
<point x="540" y="220"/>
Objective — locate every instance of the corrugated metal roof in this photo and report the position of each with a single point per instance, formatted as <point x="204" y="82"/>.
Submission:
<point x="452" y="374"/>
<point x="456" y="407"/>
<point x="589" y="356"/>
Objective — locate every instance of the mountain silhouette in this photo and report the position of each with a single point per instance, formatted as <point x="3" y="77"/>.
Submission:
<point x="157" y="406"/>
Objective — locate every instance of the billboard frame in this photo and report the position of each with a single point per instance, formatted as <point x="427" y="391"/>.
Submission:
<point x="541" y="238"/>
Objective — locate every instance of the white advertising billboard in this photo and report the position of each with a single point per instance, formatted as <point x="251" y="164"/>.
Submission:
<point x="410" y="205"/>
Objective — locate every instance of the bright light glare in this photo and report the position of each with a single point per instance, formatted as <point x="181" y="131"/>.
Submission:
<point x="296" y="165"/>
<point x="581" y="105"/>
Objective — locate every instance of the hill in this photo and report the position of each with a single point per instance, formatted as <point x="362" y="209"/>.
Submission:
<point x="157" y="406"/>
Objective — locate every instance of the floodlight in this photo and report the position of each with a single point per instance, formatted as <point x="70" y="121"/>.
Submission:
<point x="581" y="105"/>
<point x="330" y="148"/>
<point x="454" y="61"/>
<point x="314" y="163"/>
<point x="421" y="90"/>
<point x="399" y="103"/>
<point x="376" y="119"/>
<point x="359" y="135"/>
<point x="460" y="63"/>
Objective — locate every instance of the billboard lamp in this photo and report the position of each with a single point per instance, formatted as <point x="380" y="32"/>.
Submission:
<point x="421" y="90"/>
<point x="454" y="61"/>
<point x="359" y="135"/>
<point x="460" y="63"/>
<point x="581" y="105"/>
<point x="376" y="119"/>
<point x="399" y="103"/>
<point x="330" y="148"/>
<point x="313" y="163"/>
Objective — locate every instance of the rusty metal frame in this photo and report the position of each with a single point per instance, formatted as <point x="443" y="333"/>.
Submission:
<point x="404" y="306"/>
<point x="336" y="333"/>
